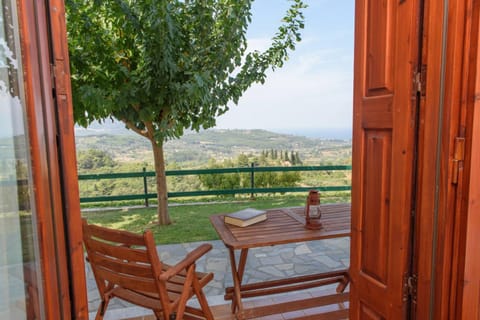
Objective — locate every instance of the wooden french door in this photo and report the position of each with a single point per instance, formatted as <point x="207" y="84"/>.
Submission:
<point x="384" y="144"/>
<point x="53" y="282"/>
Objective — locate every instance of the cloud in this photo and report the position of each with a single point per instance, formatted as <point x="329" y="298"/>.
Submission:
<point x="312" y="90"/>
<point x="260" y="44"/>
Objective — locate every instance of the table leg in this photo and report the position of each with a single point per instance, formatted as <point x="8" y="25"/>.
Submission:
<point x="343" y="284"/>
<point x="242" y="263"/>
<point x="237" y="275"/>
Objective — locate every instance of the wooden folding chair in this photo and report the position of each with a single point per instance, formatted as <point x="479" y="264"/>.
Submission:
<point x="127" y="266"/>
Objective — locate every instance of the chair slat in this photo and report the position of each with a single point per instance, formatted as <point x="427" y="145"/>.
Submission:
<point x="182" y="274"/>
<point x="119" y="236"/>
<point x="124" y="253"/>
<point x="138" y="298"/>
<point x="122" y="266"/>
<point x="177" y="280"/>
<point x="175" y="284"/>
<point x="127" y="281"/>
<point x="174" y="287"/>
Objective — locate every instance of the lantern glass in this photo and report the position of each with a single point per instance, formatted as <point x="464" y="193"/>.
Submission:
<point x="315" y="212"/>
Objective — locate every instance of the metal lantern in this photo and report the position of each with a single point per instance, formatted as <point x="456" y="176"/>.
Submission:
<point x="312" y="211"/>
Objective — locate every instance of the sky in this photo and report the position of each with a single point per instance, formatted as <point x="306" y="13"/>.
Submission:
<point x="313" y="90"/>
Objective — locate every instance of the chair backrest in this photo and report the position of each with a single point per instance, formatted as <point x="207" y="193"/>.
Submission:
<point x="124" y="259"/>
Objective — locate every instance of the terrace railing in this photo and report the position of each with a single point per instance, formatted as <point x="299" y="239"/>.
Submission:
<point x="252" y="190"/>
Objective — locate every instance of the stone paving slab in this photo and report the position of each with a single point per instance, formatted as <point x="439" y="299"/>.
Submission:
<point x="267" y="263"/>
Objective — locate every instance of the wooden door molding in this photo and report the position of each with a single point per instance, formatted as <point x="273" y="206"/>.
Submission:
<point x="446" y="188"/>
<point x="449" y="184"/>
<point x="50" y="127"/>
<point x="383" y="155"/>
<point x="36" y="75"/>
<point x="453" y="181"/>
<point x="428" y="150"/>
<point x="67" y="159"/>
<point x="465" y="289"/>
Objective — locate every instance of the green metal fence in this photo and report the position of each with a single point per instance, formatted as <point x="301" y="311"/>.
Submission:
<point x="251" y="170"/>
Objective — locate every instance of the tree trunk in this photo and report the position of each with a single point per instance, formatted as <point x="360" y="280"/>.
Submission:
<point x="161" y="180"/>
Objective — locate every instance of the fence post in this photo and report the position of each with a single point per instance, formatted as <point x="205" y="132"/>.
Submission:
<point x="252" y="180"/>
<point x="145" y="187"/>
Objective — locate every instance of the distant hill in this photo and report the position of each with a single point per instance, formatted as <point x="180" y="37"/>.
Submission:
<point x="197" y="148"/>
<point x="107" y="127"/>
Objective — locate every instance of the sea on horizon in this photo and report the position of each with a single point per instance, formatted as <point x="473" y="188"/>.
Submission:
<point x="318" y="133"/>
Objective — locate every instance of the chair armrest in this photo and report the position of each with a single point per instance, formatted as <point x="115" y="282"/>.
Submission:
<point x="189" y="259"/>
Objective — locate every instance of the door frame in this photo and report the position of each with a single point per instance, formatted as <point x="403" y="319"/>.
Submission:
<point x="443" y="232"/>
<point x="447" y="181"/>
<point x="49" y="114"/>
<point x="451" y="58"/>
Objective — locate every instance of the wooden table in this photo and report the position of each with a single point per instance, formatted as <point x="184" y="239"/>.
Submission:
<point x="283" y="225"/>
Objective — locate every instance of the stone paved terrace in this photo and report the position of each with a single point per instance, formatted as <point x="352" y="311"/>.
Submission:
<point x="262" y="264"/>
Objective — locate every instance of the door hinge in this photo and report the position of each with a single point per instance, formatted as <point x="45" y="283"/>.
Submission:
<point x="420" y="80"/>
<point x="458" y="157"/>
<point x="410" y="288"/>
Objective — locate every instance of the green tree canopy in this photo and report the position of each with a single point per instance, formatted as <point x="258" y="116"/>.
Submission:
<point x="93" y="159"/>
<point x="164" y="66"/>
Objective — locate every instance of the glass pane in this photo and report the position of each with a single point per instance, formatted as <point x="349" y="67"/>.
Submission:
<point x="20" y="296"/>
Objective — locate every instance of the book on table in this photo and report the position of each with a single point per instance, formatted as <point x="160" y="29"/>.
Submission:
<point x="245" y="217"/>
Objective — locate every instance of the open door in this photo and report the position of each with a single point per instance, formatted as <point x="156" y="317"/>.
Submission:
<point x="384" y="138"/>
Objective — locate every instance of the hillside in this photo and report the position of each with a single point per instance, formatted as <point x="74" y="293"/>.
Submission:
<point x="195" y="149"/>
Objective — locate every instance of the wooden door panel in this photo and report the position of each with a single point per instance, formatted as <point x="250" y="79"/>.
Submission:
<point x="379" y="27"/>
<point x="383" y="163"/>
<point x="374" y="260"/>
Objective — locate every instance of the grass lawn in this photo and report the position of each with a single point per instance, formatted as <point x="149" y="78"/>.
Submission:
<point x="189" y="222"/>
